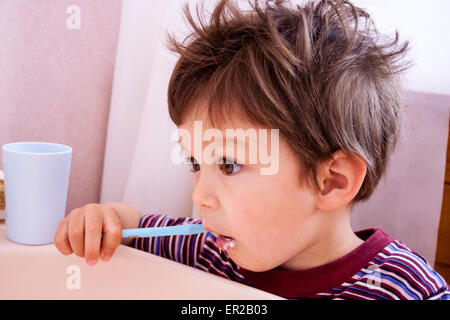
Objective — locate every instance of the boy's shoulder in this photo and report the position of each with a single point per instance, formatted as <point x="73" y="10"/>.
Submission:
<point x="401" y="273"/>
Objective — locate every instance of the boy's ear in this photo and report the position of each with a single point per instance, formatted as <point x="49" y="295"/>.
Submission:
<point x="339" y="180"/>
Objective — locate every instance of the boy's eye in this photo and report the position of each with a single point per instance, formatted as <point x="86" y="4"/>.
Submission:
<point x="195" y="165"/>
<point x="229" y="167"/>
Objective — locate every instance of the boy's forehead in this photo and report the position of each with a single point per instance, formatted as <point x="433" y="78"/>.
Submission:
<point x="235" y="128"/>
<point x="244" y="139"/>
<point x="199" y="112"/>
<point x="233" y="124"/>
<point x="238" y="131"/>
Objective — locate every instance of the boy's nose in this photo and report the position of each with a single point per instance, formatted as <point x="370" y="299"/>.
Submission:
<point x="202" y="199"/>
<point x="203" y="196"/>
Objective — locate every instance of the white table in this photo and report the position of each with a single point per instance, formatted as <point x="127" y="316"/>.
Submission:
<point x="41" y="272"/>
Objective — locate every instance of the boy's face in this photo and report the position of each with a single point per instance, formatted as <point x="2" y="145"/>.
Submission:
<point x="270" y="217"/>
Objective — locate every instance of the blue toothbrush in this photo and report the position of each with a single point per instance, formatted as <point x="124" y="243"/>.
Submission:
<point x="185" y="229"/>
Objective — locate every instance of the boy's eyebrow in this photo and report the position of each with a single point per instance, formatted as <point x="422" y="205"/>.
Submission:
<point x="237" y="140"/>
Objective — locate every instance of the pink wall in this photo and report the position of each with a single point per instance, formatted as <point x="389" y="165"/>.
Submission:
<point x="55" y="83"/>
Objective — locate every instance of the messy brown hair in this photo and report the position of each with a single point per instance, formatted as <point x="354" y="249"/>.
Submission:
<point x="320" y="72"/>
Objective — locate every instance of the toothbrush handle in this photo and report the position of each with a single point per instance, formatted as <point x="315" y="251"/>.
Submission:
<point x="185" y="229"/>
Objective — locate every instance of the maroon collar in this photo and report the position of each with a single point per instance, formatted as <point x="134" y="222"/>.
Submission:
<point x="303" y="283"/>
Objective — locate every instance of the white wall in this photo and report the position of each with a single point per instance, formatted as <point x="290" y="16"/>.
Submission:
<point x="426" y="24"/>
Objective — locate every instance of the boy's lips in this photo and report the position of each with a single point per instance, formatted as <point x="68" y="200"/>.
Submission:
<point x="224" y="242"/>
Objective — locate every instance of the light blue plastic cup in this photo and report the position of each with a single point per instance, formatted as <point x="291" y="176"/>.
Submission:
<point x="36" y="178"/>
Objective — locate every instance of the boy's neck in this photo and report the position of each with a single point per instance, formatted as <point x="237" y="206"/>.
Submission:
<point x="335" y="239"/>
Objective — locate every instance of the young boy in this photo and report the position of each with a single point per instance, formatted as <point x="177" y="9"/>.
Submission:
<point x="322" y="76"/>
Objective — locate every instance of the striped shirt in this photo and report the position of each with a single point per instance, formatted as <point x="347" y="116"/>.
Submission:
<point x="381" y="268"/>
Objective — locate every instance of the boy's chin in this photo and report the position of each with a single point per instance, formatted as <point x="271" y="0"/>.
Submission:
<point x="253" y="266"/>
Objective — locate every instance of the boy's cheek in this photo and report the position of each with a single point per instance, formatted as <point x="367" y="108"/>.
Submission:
<point x="252" y="234"/>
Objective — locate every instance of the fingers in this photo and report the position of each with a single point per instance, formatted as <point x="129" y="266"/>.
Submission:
<point x="61" y="239"/>
<point x="76" y="232"/>
<point x="80" y="233"/>
<point x="112" y="233"/>
<point x="93" y="231"/>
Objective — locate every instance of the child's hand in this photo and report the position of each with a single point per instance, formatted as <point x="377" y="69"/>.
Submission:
<point x="80" y="232"/>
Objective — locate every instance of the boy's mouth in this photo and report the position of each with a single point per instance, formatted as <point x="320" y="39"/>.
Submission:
<point x="225" y="243"/>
